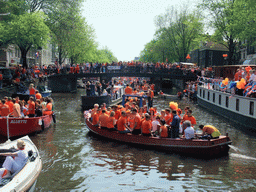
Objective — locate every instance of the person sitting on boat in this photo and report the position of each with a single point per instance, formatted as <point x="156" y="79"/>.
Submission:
<point x="38" y="109"/>
<point x="189" y="132"/>
<point x="163" y="130"/>
<point x="122" y="126"/>
<point x="38" y="95"/>
<point x="175" y="125"/>
<point x="5" y="110"/>
<point x="10" y="104"/>
<point x="190" y="117"/>
<point x="23" y="109"/>
<point x="14" y="160"/>
<point x="103" y="119"/>
<point x="117" y="112"/>
<point x="146" y="126"/>
<point x="155" y="125"/>
<point x="31" y="107"/>
<point x="209" y="131"/>
<point x="111" y="122"/>
<point x="95" y="117"/>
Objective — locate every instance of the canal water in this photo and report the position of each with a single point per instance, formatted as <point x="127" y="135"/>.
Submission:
<point x="75" y="160"/>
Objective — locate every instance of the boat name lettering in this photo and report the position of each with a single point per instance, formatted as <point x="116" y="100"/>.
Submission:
<point x="18" y="121"/>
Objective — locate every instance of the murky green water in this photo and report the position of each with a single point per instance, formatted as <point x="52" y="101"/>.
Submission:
<point x="74" y="160"/>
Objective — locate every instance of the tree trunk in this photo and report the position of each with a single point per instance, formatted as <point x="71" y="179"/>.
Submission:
<point x="60" y="56"/>
<point x="24" y="58"/>
<point x="231" y="51"/>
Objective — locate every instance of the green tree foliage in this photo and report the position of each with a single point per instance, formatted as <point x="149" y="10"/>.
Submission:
<point x="180" y="30"/>
<point x="28" y="30"/>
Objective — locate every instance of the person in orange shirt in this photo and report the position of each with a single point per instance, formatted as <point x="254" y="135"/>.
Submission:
<point x="128" y="90"/>
<point x="77" y="69"/>
<point x="190" y="117"/>
<point x="5" y="109"/>
<point x="31" y="107"/>
<point x="10" y="104"/>
<point x="163" y="131"/>
<point x="111" y="122"/>
<point x="38" y="95"/>
<point x="146" y="126"/>
<point x="134" y="121"/>
<point x="95" y="117"/>
<point x="168" y="116"/>
<point x="48" y="109"/>
<point x="122" y="126"/>
<point x="32" y="90"/>
<point x="117" y="112"/>
<point x="103" y="119"/>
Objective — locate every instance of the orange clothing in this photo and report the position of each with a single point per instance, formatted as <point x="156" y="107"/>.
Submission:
<point x="5" y="110"/>
<point x="110" y="123"/>
<point x="31" y="108"/>
<point x="32" y="91"/>
<point x="146" y="127"/>
<point x="103" y="120"/>
<point x="95" y="118"/>
<point x="121" y="124"/>
<point x="48" y="109"/>
<point x="128" y="90"/>
<point x="38" y="96"/>
<point x="117" y="114"/>
<point x="191" y="119"/>
<point x="168" y="118"/>
<point x="164" y="132"/>
<point x="1" y="77"/>
<point x="10" y="104"/>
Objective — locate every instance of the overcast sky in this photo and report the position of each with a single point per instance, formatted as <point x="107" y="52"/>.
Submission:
<point x="125" y="26"/>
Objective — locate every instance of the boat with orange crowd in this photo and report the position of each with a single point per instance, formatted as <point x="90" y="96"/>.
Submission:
<point x="199" y="148"/>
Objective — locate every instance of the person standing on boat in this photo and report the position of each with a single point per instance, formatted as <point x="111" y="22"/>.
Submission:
<point x="111" y="122"/>
<point x="128" y="90"/>
<point x="14" y="160"/>
<point x="103" y="119"/>
<point x="32" y="90"/>
<point x="190" y="117"/>
<point x="146" y="126"/>
<point x="168" y="116"/>
<point x="122" y="126"/>
<point x="189" y="132"/>
<point x="135" y="122"/>
<point x="175" y="125"/>
<point x="163" y="130"/>
<point x="38" y="95"/>
<point x="16" y="109"/>
<point x="31" y="107"/>
<point x="209" y="131"/>
<point x="5" y="110"/>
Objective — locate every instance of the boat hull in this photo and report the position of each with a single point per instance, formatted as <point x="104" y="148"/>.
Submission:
<point x="238" y="109"/>
<point x="24" y="126"/>
<point x="197" y="147"/>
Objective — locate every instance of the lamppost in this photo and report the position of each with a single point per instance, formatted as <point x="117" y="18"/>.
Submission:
<point x="225" y="58"/>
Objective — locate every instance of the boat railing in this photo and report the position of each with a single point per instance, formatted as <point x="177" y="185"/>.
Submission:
<point x="7" y="123"/>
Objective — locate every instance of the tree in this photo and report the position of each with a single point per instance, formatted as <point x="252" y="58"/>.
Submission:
<point x="28" y="30"/>
<point x="233" y="20"/>
<point x="181" y="30"/>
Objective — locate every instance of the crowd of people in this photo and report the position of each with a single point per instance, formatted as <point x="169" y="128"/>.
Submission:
<point x="36" y="106"/>
<point x="148" y="121"/>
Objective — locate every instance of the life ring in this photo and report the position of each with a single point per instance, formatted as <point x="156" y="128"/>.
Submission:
<point x="42" y="126"/>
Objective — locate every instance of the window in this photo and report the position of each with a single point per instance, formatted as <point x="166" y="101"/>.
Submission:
<point x="219" y="99"/>
<point x="203" y="93"/>
<point x="227" y="99"/>
<point x="213" y="97"/>
<point x="208" y="95"/>
<point x="200" y="92"/>
<point x="237" y="104"/>
<point x="251" y="108"/>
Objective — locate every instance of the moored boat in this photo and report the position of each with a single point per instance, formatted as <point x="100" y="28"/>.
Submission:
<point x="25" y="178"/>
<point x="89" y="101"/>
<point x="13" y="127"/>
<point x="197" y="147"/>
<point x="238" y="109"/>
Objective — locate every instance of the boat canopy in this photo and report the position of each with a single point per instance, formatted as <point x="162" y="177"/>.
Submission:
<point x="140" y="97"/>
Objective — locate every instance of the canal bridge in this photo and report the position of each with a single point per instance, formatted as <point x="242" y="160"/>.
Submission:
<point x="67" y="82"/>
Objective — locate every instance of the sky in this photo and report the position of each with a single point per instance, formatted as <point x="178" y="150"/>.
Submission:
<point x="126" y="26"/>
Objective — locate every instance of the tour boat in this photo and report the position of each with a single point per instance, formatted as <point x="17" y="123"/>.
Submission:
<point x="238" y="109"/>
<point x="12" y="127"/>
<point x="196" y="147"/>
<point x="89" y="101"/>
<point x="24" y="179"/>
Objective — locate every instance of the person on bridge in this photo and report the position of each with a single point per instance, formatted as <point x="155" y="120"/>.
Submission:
<point x="128" y="90"/>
